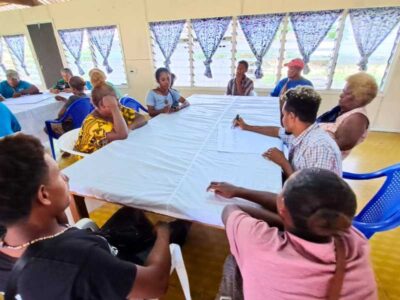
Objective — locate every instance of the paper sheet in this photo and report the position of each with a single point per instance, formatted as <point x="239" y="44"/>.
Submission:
<point x="237" y="140"/>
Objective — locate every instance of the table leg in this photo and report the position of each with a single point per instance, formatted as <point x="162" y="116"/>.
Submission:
<point x="78" y="208"/>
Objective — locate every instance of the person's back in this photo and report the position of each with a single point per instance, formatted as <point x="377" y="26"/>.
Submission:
<point x="9" y="123"/>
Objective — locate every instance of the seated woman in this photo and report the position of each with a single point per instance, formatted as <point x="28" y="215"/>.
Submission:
<point x="62" y="85"/>
<point x="108" y="122"/>
<point x="14" y="87"/>
<point x="348" y="122"/>
<point x="302" y="246"/>
<point x="8" y="122"/>
<point x="70" y="263"/>
<point x="77" y="86"/>
<point x="163" y="99"/>
<point x="98" y="77"/>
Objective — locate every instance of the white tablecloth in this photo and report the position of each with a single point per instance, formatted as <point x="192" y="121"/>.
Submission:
<point x="166" y="165"/>
<point x="32" y="111"/>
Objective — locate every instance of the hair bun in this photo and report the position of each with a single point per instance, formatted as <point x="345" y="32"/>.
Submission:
<point x="328" y="222"/>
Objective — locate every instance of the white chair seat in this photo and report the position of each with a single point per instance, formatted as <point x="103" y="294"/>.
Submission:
<point x="66" y="142"/>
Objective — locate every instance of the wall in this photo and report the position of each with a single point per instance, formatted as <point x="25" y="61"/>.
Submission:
<point x="132" y="17"/>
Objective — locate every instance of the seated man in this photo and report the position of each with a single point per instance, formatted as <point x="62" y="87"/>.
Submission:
<point x="8" y="122"/>
<point x="62" y="85"/>
<point x="309" y="145"/>
<point x="293" y="79"/>
<point x="303" y="247"/>
<point x="241" y="85"/>
<point x="64" y="263"/>
<point x="14" y="87"/>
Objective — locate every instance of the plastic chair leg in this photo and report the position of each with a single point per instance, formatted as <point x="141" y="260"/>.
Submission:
<point x="178" y="264"/>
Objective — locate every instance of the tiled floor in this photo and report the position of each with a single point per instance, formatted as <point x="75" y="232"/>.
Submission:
<point x="206" y="247"/>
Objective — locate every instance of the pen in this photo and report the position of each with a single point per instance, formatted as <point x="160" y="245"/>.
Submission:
<point x="236" y="119"/>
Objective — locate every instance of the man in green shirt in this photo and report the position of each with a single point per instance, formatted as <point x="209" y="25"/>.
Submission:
<point x="62" y="85"/>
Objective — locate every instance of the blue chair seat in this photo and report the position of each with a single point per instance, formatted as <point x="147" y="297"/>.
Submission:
<point x="132" y="103"/>
<point x="77" y="112"/>
<point x="383" y="211"/>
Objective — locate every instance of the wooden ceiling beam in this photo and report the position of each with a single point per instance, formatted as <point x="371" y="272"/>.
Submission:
<point x="22" y="2"/>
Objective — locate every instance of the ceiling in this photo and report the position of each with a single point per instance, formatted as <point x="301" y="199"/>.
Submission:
<point x="17" y="4"/>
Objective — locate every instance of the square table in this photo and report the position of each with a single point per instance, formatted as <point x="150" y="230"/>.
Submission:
<point x="33" y="110"/>
<point x="166" y="166"/>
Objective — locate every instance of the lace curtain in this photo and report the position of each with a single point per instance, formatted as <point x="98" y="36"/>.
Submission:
<point x="371" y="26"/>
<point x="310" y="29"/>
<point x="102" y="38"/>
<point x="16" y="44"/>
<point x="260" y="32"/>
<point x="209" y="33"/>
<point x="73" y="40"/>
<point x="166" y="35"/>
<point x="2" y="66"/>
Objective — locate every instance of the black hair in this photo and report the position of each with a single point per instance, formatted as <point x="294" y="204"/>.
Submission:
<point x="159" y="71"/>
<point x="173" y="78"/>
<point x="245" y="63"/>
<point x="304" y="102"/>
<point x="22" y="170"/>
<point x="319" y="202"/>
<point x="67" y="70"/>
<point x="77" y="83"/>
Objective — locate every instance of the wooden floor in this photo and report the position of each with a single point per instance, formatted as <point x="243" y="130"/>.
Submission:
<point x="206" y="247"/>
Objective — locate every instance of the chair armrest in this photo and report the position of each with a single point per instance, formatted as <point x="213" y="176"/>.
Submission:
<point x="364" y="176"/>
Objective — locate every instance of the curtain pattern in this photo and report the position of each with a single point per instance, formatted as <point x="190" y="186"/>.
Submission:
<point x="2" y="66"/>
<point x="102" y="38"/>
<point x="73" y="40"/>
<point x="167" y="36"/>
<point x="370" y="27"/>
<point x="16" y="45"/>
<point x="310" y="29"/>
<point x="260" y="31"/>
<point x="209" y="33"/>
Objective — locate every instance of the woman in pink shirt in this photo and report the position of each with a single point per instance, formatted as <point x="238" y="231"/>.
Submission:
<point x="304" y="246"/>
<point x="348" y="122"/>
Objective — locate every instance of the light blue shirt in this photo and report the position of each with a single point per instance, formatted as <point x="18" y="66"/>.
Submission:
<point x="8" y="122"/>
<point x="8" y="91"/>
<point x="160" y="101"/>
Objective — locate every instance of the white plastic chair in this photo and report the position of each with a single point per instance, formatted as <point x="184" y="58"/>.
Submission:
<point x="177" y="262"/>
<point x="66" y="142"/>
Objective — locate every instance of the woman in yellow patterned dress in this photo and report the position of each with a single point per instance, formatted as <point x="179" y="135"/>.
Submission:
<point x="108" y="122"/>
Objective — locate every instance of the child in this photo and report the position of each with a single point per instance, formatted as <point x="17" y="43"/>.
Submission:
<point x="77" y="85"/>
<point x="306" y="249"/>
<point x="108" y="122"/>
<point x="163" y="99"/>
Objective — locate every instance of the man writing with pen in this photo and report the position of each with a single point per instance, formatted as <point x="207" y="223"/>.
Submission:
<point x="309" y="145"/>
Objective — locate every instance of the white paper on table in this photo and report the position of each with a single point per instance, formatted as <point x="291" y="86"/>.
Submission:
<point x="237" y="140"/>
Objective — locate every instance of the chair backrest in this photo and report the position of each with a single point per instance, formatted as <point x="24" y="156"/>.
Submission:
<point x="132" y="103"/>
<point x="386" y="201"/>
<point x="78" y="111"/>
<point x="67" y="141"/>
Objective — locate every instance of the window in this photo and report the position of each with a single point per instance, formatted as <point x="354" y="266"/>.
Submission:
<point x="91" y="58"/>
<point x="337" y="51"/>
<point x="180" y="60"/>
<point x="270" y="61"/>
<point x="11" y="62"/>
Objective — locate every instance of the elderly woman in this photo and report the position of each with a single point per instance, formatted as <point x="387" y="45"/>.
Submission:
<point x="348" y="122"/>
<point x="14" y="87"/>
<point x="98" y="78"/>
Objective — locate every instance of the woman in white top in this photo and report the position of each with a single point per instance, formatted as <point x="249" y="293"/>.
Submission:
<point x="164" y="99"/>
<point x="348" y="122"/>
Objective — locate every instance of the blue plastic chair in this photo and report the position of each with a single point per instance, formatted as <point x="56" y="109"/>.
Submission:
<point x="77" y="112"/>
<point x="132" y="103"/>
<point x="383" y="211"/>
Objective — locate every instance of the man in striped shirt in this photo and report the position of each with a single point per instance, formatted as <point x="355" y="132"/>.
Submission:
<point x="241" y="85"/>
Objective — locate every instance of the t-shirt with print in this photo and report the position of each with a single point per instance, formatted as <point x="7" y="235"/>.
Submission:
<point x="160" y="101"/>
<point x="93" y="133"/>
<point x="74" y="265"/>
<point x="8" y="91"/>
<point x="279" y="265"/>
